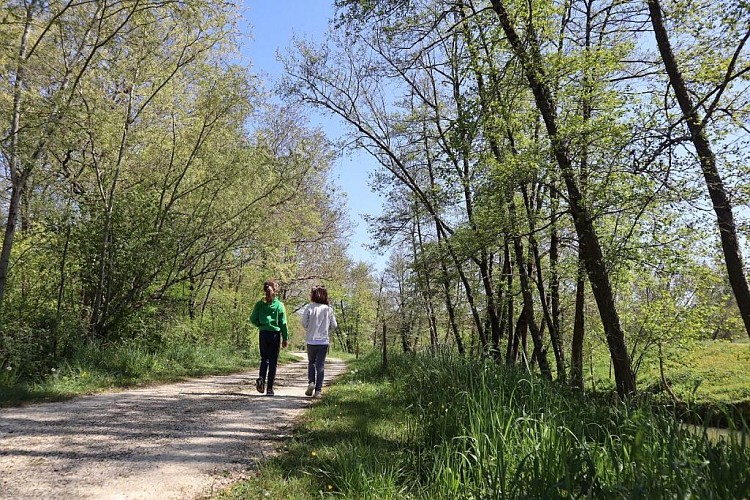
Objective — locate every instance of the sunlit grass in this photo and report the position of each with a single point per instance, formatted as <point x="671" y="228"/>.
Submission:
<point x="703" y="372"/>
<point x="95" y="368"/>
<point x="447" y="427"/>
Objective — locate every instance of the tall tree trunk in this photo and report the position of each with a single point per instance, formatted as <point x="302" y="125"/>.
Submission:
<point x="554" y="280"/>
<point x="18" y="174"/>
<point x="576" y="355"/>
<point x="385" y="348"/>
<point x="464" y="170"/>
<point x="443" y="243"/>
<point x="504" y="298"/>
<point x="509" y="313"/>
<point x="528" y="303"/>
<point x="553" y="333"/>
<point x="423" y="278"/>
<point x="530" y="58"/>
<point x="716" y="190"/>
<point x="446" y="283"/>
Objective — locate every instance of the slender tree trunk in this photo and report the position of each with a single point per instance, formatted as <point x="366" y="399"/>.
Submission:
<point x="385" y="348"/>
<point x="208" y="293"/>
<point x="519" y="333"/>
<point x="714" y="182"/>
<point x="504" y="297"/>
<point x="589" y="240"/>
<point x="63" y="262"/>
<point x="18" y="174"/>
<point x="491" y="300"/>
<point x="423" y="278"/>
<point x="576" y="355"/>
<point x="467" y="287"/>
<point x="509" y="313"/>
<point x="528" y="303"/>
<point x="464" y="171"/>
<point x="553" y="333"/>
<point x="191" y="298"/>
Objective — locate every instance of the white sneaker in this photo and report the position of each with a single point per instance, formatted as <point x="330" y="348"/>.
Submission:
<point x="317" y="394"/>
<point x="310" y="389"/>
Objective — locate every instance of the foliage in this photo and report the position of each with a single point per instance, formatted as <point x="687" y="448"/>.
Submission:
<point x="155" y="185"/>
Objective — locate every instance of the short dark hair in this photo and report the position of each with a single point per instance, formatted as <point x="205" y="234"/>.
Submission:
<point x="319" y="294"/>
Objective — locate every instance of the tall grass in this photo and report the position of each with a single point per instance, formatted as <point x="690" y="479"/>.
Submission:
<point x="94" y="367"/>
<point x="447" y="427"/>
<point x="495" y="432"/>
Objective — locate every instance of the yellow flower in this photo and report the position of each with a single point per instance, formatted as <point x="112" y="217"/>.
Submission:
<point x="329" y="487"/>
<point x="312" y="453"/>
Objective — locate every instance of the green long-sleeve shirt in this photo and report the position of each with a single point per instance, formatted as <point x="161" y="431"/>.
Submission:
<point x="270" y="317"/>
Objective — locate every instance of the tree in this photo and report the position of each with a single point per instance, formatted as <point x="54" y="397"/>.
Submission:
<point x="588" y="239"/>
<point x="706" y="157"/>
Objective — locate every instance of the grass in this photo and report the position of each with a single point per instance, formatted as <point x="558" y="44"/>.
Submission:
<point x="706" y="371"/>
<point x="710" y="379"/>
<point x="447" y="427"/>
<point x="353" y="440"/>
<point x="97" y="368"/>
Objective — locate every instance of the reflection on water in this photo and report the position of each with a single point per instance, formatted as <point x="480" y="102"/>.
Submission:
<point x="716" y="434"/>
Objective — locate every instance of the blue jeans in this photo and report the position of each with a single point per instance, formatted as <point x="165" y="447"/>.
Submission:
<point x="270" y="342"/>
<point x="316" y="358"/>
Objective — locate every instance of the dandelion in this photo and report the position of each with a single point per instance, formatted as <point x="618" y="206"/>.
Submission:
<point x="313" y="454"/>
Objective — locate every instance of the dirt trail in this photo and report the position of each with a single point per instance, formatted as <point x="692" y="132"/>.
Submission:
<point x="182" y="440"/>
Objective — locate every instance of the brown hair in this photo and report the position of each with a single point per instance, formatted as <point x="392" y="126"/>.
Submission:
<point x="270" y="287"/>
<point x="319" y="294"/>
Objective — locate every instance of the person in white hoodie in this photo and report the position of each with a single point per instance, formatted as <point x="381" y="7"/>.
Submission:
<point x="318" y="321"/>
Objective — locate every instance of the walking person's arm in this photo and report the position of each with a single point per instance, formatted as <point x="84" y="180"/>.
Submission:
<point x="254" y="316"/>
<point x="332" y="324"/>
<point x="282" y="325"/>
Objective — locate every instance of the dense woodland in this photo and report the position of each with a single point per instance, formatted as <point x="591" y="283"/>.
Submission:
<point x="564" y="180"/>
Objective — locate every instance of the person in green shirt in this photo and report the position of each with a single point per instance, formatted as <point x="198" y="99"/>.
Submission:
<point x="269" y="316"/>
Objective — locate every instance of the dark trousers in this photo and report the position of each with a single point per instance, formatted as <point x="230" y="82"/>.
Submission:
<point x="316" y="358"/>
<point x="270" y="342"/>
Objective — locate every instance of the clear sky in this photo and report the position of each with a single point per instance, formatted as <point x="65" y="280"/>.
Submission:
<point x="271" y="25"/>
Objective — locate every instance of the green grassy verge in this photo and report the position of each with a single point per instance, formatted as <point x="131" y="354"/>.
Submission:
<point x="445" y="427"/>
<point x="708" y="371"/>
<point x="97" y="368"/>
<point x="710" y="379"/>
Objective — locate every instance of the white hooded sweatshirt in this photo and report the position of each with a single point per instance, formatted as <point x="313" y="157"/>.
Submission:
<point x="318" y="320"/>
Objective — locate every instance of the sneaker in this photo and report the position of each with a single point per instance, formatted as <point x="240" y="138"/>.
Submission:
<point x="310" y="389"/>
<point x="317" y="394"/>
<point x="260" y="385"/>
<point x="269" y="392"/>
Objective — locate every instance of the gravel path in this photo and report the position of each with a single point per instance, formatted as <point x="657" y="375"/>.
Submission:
<point x="183" y="440"/>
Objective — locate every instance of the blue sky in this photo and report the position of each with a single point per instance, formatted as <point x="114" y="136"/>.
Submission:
<point x="271" y="24"/>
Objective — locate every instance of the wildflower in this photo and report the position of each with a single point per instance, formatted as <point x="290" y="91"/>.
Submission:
<point x="9" y="368"/>
<point x="312" y="453"/>
<point x="329" y="487"/>
<point x="54" y="370"/>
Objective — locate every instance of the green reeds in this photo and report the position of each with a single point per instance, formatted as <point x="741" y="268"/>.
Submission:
<point x="494" y="432"/>
<point x="439" y="426"/>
